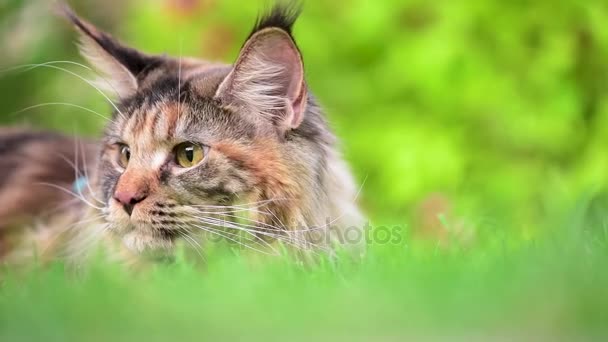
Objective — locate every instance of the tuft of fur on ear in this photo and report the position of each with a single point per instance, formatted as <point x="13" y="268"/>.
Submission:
<point x="120" y="65"/>
<point x="267" y="79"/>
<point x="282" y="16"/>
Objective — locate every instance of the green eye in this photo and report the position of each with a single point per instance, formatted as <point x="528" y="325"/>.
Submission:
<point x="125" y="155"/>
<point x="188" y="154"/>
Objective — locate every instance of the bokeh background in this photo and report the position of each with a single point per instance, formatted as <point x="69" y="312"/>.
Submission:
<point x="477" y="124"/>
<point x="493" y="113"/>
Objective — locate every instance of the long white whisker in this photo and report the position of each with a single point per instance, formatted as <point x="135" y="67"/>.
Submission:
<point x="84" y="80"/>
<point x="61" y="104"/>
<point x="59" y="207"/>
<point x="70" y="193"/>
<point x="184" y="230"/>
<point x="190" y="222"/>
<point x="179" y="80"/>
<point x="88" y="220"/>
<point x="228" y="210"/>
<point x="266" y="225"/>
<point x="68" y="228"/>
<point x="29" y="67"/>
<point x="248" y="228"/>
<point x="249" y="207"/>
<point x="326" y="225"/>
<point x="344" y="213"/>
<point x="86" y="242"/>
<point x="214" y="231"/>
<point x="86" y="174"/>
<point x="256" y="204"/>
<point x="32" y="66"/>
<point x="253" y="235"/>
<point x="76" y="168"/>
<point x="191" y="241"/>
<point x="76" y="174"/>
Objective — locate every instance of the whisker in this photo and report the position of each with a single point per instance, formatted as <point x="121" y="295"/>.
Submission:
<point x="214" y="231"/>
<point x="256" y="238"/>
<point x="190" y="222"/>
<point x="60" y="104"/>
<point x="256" y="204"/>
<point x="76" y="168"/>
<point x="248" y="228"/>
<point x="184" y="230"/>
<point x="230" y="211"/>
<point x="354" y="199"/>
<point x="252" y="220"/>
<point x="34" y="66"/>
<point x="86" y="173"/>
<point x="192" y="242"/>
<point x="179" y="79"/>
<point x="70" y="193"/>
<point x="77" y="172"/>
<point x="69" y="228"/>
<point x="59" y="207"/>
<point x="29" y="67"/>
<point x="266" y="225"/>
<point x="328" y="224"/>
<point x="78" y="246"/>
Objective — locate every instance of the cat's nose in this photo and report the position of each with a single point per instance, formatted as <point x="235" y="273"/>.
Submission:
<point x="129" y="199"/>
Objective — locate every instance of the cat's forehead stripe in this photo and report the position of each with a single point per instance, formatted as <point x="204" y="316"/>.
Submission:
<point x="171" y="114"/>
<point x="157" y="122"/>
<point x="154" y="124"/>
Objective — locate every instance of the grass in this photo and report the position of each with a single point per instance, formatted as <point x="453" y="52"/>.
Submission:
<point x="551" y="288"/>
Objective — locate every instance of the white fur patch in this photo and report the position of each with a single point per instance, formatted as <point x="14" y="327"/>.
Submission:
<point x="158" y="159"/>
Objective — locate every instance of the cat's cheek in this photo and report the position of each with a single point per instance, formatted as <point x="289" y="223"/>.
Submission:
<point x="118" y="217"/>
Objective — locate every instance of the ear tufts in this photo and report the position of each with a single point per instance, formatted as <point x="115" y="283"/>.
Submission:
<point x="122" y="65"/>
<point x="282" y="16"/>
<point x="267" y="80"/>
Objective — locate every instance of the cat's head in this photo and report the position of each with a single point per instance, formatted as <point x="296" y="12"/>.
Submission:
<point x="189" y="138"/>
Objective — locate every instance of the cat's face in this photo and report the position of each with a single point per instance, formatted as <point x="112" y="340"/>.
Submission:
<point x="167" y="163"/>
<point x="188" y="139"/>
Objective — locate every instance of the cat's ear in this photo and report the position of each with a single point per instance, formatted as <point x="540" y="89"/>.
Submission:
<point x="268" y="77"/>
<point x="120" y="65"/>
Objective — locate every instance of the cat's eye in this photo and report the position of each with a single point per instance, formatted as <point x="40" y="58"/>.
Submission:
<point x="188" y="154"/>
<point x="124" y="155"/>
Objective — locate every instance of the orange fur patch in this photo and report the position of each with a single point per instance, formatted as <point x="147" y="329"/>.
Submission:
<point x="171" y="114"/>
<point x="272" y="177"/>
<point x="135" y="181"/>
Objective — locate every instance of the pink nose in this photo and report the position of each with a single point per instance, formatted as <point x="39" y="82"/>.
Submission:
<point x="129" y="199"/>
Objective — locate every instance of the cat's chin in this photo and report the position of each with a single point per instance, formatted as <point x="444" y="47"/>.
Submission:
<point x="141" y="242"/>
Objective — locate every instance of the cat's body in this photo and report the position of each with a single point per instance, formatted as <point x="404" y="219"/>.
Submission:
<point x="194" y="146"/>
<point x="37" y="173"/>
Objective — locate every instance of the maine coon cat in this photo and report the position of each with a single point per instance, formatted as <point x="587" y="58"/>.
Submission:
<point x="240" y="150"/>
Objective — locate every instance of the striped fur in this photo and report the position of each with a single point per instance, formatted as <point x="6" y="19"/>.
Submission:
<point x="264" y="136"/>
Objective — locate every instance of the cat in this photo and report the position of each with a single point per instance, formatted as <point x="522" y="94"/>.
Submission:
<point x="191" y="146"/>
